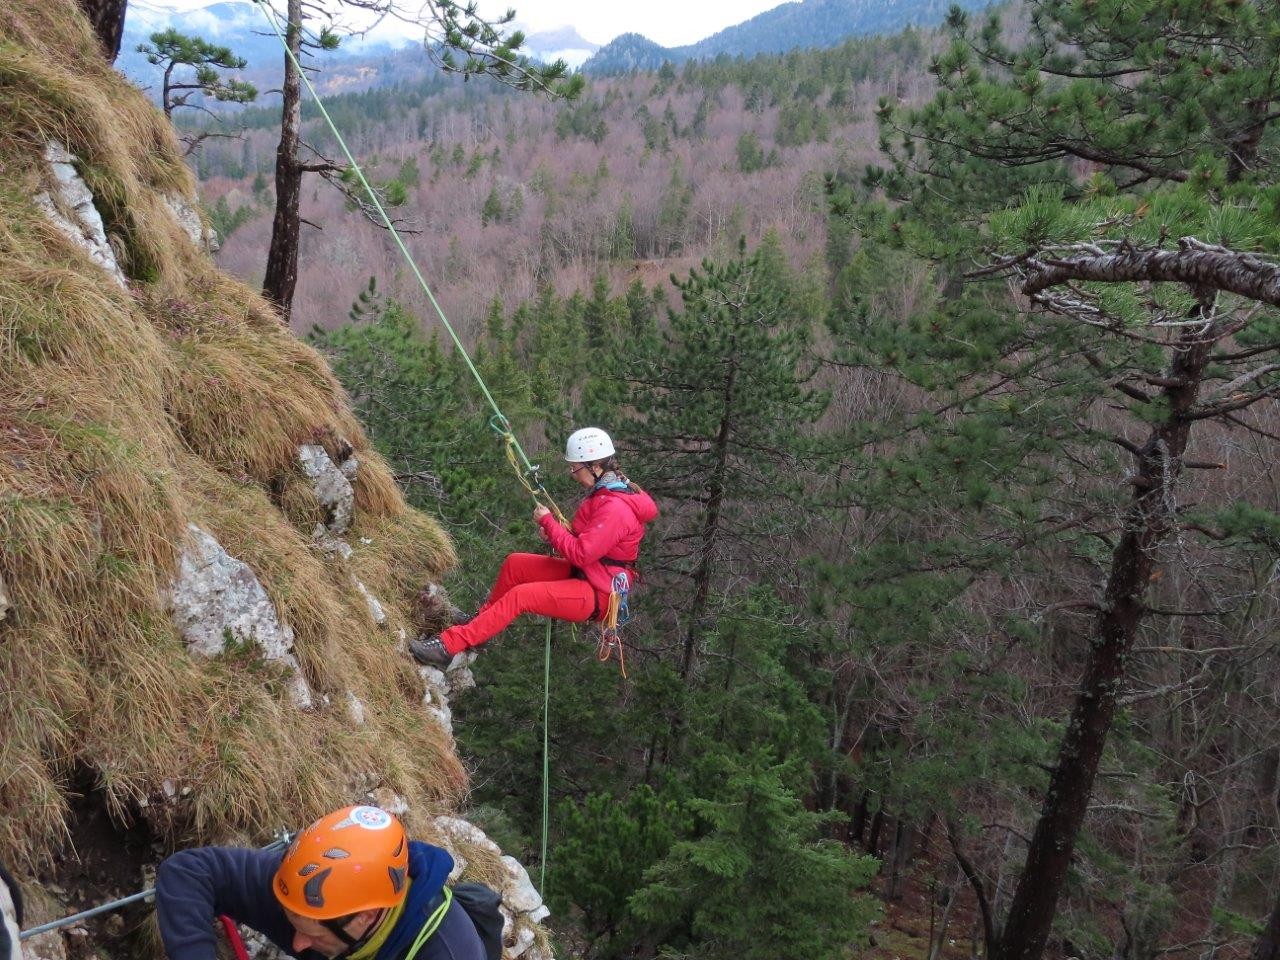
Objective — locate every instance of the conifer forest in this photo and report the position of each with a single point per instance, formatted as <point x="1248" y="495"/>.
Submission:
<point x="952" y="359"/>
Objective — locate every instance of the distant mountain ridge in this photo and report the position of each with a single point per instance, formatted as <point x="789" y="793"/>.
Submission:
<point x="239" y="25"/>
<point x="807" y="24"/>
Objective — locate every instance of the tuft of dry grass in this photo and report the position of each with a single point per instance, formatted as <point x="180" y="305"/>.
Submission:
<point x="124" y="416"/>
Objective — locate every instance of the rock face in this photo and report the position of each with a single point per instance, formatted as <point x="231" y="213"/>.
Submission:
<point x="188" y="217"/>
<point x="70" y="208"/>
<point x="4" y="600"/>
<point x="10" y="925"/>
<point x="217" y="599"/>
<point x="522" y="906"/>
<point x="332" y="485"/>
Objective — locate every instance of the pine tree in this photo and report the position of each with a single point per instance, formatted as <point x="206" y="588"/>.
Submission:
<point x="171" y="50"/>
<point x="722" y="397"/>
<point x="1131" y="342"/>
<point x="756" y="881"/>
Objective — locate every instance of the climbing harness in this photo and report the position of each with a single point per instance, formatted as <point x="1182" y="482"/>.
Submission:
<point x="617" y="615"/>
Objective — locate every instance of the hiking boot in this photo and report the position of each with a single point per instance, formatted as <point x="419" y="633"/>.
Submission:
<point x="458" y="617"/>
<point x="430" y="652"/>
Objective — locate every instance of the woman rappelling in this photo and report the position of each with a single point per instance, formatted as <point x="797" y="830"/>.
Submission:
<point x="596" y="556"/>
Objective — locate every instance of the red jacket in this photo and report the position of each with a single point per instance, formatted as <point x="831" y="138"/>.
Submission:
<point x="609" y="524"/>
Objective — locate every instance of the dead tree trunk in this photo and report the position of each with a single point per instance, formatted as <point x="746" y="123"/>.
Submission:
<point x="1146" y="524"/>
<point x="282" y="256"/>
<point x="107" y="19"/>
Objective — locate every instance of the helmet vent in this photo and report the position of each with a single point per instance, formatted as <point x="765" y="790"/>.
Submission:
<point x="397" y="878"/>
<point x="314" y="889"/>
<point x="309" y="869"/>
<point x="336" y="853"/>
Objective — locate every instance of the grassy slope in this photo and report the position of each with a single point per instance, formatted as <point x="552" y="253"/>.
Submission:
<point x="126" y="415"/>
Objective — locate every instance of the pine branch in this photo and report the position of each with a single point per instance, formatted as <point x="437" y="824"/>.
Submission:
<point x="1194" y="263"/>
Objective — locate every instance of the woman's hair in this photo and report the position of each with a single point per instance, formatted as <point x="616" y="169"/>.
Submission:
<point x="607" y="464"/>
<point x="610" y="465"/>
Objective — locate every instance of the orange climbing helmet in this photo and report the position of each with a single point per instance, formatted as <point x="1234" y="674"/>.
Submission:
<point x="354" y="859"/>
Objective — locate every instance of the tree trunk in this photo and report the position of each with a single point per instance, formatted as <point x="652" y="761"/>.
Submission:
<point x="898" y="858"/>
<point x="710" y="528"/>
<point x="1267" y="946"/>
<point x="873" y="838"/>
<point x="938" y="935"/>
<point x="1147" y="522"/>
<point x="990" y="927"/>
<point x="107" y="19"/>
<point x="858" y="815"/>
<point x="282" y="257"/>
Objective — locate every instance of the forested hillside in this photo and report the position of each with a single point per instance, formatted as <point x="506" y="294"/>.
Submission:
<point x="639" y="177"/>
<point x="951" y="360"/>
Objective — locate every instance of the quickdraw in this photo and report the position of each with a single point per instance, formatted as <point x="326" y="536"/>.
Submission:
<point x="617" y="615"/>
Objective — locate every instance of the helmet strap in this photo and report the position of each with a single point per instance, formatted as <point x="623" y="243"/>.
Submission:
<point x="337" y="927"/>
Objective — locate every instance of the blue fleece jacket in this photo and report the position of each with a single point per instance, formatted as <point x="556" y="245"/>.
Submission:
<point x="195" y="886"/>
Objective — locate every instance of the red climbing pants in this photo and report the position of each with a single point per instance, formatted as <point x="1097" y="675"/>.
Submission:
<point x="527" y="583"/>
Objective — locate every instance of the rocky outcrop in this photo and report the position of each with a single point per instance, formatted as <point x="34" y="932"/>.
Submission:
<point x="223" y="519"/>
<point x="522" y="906"/>
<point x="192" y="224"/>
<point x="10" y="921"/>
<point x="217" y="601"/>
<point x="331" y="483"/>
<point x="69" y="206"/>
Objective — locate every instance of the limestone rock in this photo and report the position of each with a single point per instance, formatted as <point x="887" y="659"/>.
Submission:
<point x="460" y="831"/>
<point x="355" y="709"/>
<point x="435" y="697"/>
<point x="5" y="606"/>
<point x="189" y="219"/>
<point x="216" y="598"/>
<point x="259" y="947"/>
<point x="375" y="608"/>
<point x="42" y="907"/>
<point x="9" y="919"/>
<point x="460" y="864"/>
<point x="460" y="676"/>
<point x="390" y="801"/>
<point x="518" y="892"/>
<point x="523" y="940"/>
<point x="70" y="208"/>
<point x="332" y="485"/>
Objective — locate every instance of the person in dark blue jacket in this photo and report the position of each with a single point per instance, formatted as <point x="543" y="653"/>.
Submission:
<point x="352" y="885"/>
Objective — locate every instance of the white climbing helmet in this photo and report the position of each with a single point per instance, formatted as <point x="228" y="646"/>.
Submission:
<point x="588" y="444"/>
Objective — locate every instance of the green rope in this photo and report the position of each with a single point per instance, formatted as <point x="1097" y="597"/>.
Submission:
<point x="498" y="422"/>
<point x="546" y="759"/>
<point x="431" y="926"/>
<point x="386" y="221"/>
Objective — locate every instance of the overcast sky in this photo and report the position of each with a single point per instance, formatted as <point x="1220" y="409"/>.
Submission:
<point x="668" y="22"/>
